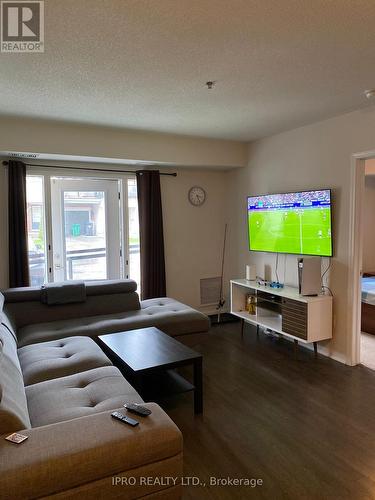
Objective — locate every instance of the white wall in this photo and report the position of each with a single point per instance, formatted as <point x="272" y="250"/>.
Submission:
<point x="368" y="260"/>
<point x="193" y="235"/>
<point x="309" y="157"/>
<point x="42" y="136"/>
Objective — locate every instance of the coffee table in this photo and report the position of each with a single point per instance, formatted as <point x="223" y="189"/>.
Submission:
<point x="148" y="351"/>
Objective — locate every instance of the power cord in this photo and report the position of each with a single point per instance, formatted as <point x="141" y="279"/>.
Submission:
<point x="277" y="265"/>
<point x="324" y="287"/>
<point x="285" y="260"/>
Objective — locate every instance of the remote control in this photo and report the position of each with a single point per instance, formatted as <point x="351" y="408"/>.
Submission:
<point x="138" y="409"/>
<point x="124" y="418"/>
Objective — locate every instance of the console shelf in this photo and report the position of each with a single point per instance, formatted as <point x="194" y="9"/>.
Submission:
<point x="284" y="311"/>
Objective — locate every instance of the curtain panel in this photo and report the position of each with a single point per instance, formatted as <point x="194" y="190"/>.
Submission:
<point x="17" y="213"/>
<point x="153" y="283"/>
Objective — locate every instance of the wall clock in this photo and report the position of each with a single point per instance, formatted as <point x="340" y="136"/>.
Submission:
<point x="197" y="196"/>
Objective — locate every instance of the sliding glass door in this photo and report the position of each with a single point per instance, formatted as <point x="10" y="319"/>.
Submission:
<point x="82" y="228"/>
<point x="85" y="230"/>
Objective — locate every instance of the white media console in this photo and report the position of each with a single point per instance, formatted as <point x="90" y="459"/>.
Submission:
<point x="284" y="311"/>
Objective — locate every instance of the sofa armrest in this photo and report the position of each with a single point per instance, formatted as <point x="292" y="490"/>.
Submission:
<point x="65" y="455"/>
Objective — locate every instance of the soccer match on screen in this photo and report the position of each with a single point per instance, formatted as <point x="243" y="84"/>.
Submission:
<point x="298" y="223"/>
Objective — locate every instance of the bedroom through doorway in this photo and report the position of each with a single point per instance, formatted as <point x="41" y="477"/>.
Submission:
<point x="367" y="347"/>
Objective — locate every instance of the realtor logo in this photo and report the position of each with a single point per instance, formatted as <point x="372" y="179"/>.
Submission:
<point x="22" y="26"/>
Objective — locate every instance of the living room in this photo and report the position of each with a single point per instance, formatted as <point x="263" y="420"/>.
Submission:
<point x="225" y="102"/>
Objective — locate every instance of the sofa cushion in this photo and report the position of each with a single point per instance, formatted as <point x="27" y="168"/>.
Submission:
<point x="76" y="459"/>
<point x="172" y="317"/>
<point x="78" y="395"/>
<point x="63" y="292"/>
<point x="95" y="287"/>
<point x="14" y="414"/>
<point x="4" y="319"/>
<point x="59" y="358"/>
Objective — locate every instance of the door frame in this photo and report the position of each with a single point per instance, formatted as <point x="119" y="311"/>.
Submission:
<point x="54" y="171"/>
<point x="356" y="236"/>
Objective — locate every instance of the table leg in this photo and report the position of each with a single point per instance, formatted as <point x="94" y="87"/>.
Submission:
<point x="242" y="327"/>
<point x="295" y="348"/>
<point x="198" y="386"/>
<point x="316" y="349"/>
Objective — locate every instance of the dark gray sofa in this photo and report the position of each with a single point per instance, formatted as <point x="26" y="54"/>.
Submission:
<point x="110" y="306"/>
<point x="58" y="388"/>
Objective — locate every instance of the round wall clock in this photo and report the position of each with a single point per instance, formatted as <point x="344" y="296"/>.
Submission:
<point x="197" y="196"/>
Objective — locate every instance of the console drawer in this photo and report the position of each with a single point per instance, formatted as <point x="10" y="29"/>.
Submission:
<point x="294" y="318"/>
<point x="295" y="329"/>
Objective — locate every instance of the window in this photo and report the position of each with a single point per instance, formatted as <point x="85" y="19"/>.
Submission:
<point x="36" y="229"/>
<point x="36" y="217"/>
<point x="134" y="248"/>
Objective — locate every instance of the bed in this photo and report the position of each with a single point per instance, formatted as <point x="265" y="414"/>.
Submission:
<point x="368" y="304"/>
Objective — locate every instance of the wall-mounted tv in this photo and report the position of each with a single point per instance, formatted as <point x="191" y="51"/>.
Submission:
<point x="298" y="223"/>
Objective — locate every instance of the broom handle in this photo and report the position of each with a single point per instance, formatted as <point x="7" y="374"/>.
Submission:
<point x="222" y="263"/>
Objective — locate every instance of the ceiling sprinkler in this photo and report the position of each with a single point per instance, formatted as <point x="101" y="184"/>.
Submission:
<point x="370" y="94"/>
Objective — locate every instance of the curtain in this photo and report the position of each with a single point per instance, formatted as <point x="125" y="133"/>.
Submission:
<point x="151" y="234"/>
<point x="17" y="213"/>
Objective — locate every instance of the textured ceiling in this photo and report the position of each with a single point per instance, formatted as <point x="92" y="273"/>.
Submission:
<point x="143" y="63"/>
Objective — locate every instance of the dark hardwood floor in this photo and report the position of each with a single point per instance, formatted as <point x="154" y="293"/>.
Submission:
<point x="305" y="427"/>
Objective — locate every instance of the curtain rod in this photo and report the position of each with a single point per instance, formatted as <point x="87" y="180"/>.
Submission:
<point x="173" y="174"/>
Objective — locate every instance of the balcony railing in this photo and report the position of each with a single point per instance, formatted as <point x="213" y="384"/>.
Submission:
<point x="37" y="261"/>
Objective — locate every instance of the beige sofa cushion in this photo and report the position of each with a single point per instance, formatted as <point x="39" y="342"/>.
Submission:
<point x="13" y="407"/>
<point x="59" y="358"/>
<point x="58" y="458"/>
<point x="4" y="319"/>
<point x="171" y="316"/>
<point x="78" y="395"/>
<point x="24" y="306"/>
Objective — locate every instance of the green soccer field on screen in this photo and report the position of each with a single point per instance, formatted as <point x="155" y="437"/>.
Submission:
<point x="304" y="230"/>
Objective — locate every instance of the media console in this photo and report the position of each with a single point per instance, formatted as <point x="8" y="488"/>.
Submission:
<point x="284" y="311"/>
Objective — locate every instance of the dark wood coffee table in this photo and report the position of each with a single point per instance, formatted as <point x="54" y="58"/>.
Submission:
<point x="149" y="351"/>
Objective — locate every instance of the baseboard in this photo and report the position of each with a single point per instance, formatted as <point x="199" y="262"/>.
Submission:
<point x="209" y="310"/>
<point x="324" y="351"/>
<point x="337" y="356"/>
<point x="224" y="318"/>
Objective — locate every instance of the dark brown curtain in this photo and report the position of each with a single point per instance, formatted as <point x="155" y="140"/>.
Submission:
<point x="151" y="234"/>
<point x="17" y="210"/>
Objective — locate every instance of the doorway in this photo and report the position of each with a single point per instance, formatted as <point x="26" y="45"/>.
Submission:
<point x="367" y="347"/>
<point x="361" y="346"/>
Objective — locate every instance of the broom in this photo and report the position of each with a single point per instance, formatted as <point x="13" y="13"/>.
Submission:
<point x="221" y="302"/>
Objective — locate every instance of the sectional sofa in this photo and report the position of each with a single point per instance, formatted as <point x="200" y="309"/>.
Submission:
<point x="58" y="388"/>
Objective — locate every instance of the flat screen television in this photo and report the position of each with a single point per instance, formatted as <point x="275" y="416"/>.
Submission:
<point x="298" y="223"/>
